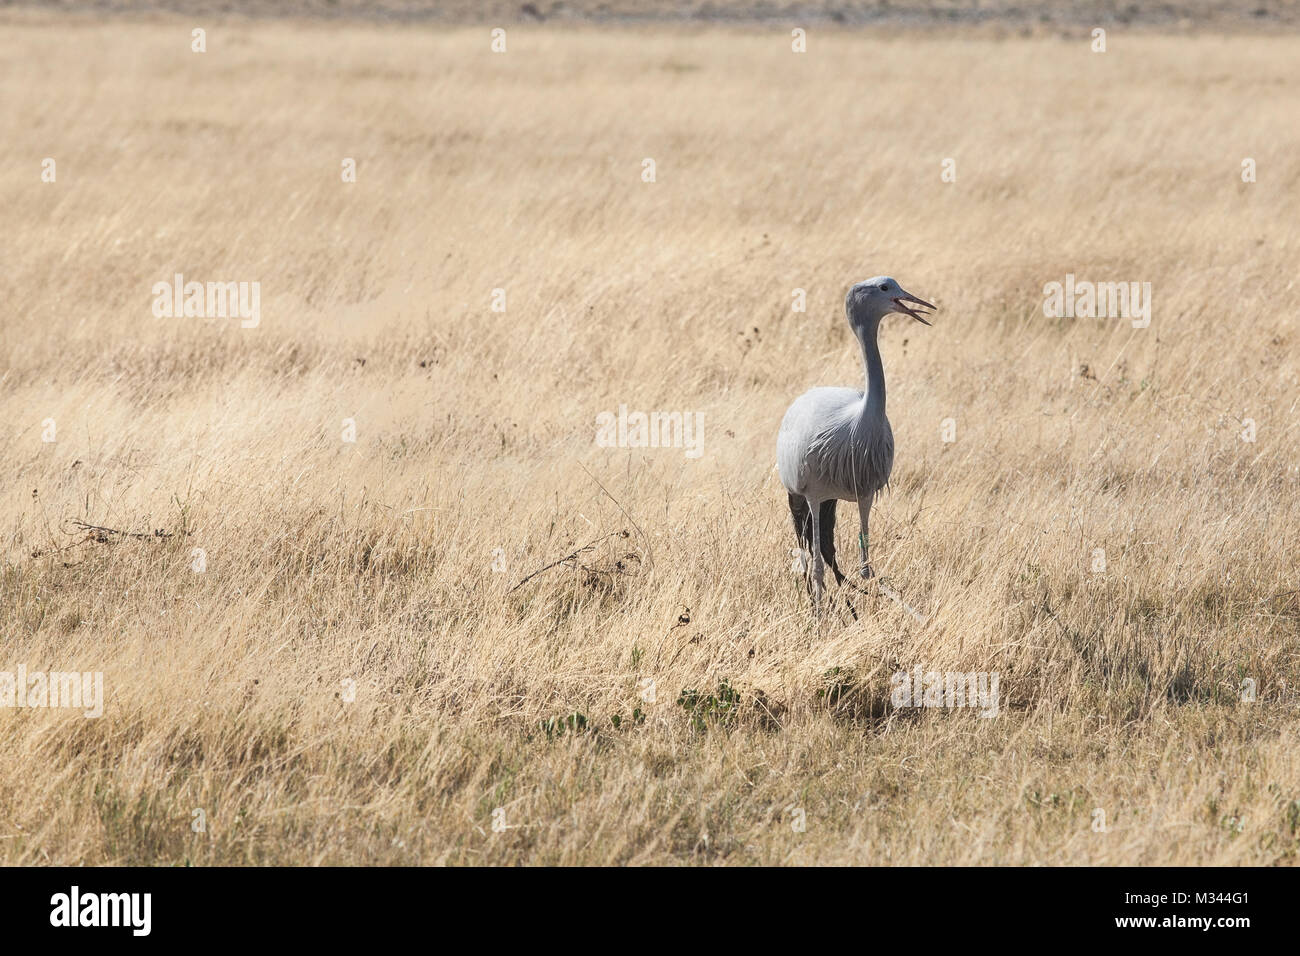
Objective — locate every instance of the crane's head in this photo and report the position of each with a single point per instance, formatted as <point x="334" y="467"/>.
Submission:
<point x="873" y="299"/>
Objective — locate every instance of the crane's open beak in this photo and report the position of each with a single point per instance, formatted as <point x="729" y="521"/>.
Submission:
<point x="908" y="297"/>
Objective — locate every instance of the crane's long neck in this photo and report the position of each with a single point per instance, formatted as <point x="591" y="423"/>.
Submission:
<point x="875" y="399"/>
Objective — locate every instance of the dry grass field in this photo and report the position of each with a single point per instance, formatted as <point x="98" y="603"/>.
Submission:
<point x="316" y="651"/>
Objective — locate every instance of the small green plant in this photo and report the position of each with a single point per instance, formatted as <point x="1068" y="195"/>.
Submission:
<point x="720" y="708"/>
<point x="555" y="727"/>
<point x="1292" y="815"/>
<point x="1232" y="823"/>
<point x="637" y="718"/>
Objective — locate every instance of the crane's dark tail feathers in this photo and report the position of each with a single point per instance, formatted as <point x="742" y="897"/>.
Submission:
<point x="802" y="516"/>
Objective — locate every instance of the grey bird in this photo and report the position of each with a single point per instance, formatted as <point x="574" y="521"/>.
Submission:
<point x="835" y="444"/>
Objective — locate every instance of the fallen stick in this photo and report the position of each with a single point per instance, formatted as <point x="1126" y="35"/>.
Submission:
<point x="573" y="557"/>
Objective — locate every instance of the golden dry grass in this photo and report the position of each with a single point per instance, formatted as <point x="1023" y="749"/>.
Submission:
<point x="373" y="561"/>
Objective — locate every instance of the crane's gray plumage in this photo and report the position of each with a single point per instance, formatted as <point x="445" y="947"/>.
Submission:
<point x="835" y="444"/>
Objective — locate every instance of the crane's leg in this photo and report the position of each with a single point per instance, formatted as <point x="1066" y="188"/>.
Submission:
<point x="864" y="512"/>
<point x="802" y="515"/>
<point x="827" y="543"/>
<point x="802" y="518"/>
<point x="818" y="565"/>
<point x="827" y="525"/>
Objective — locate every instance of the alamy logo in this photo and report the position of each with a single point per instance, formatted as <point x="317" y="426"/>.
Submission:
<point x="1098" y="300"/>
<point x="213" y="300"/>
<point x="652" y="430"/>
<point x="83" y="692"/>
<point x="948" y="689"/>
<point x="102" y="909"/>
